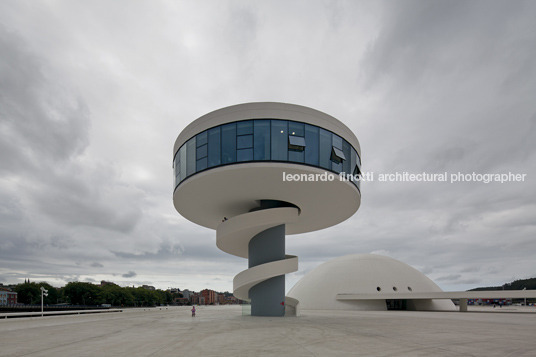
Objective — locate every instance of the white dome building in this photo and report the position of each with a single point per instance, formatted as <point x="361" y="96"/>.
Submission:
<point x="376" y="282"/>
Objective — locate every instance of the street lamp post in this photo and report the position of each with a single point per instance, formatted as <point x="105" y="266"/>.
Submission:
<point x="44" y="293"/>
<point x="525" y="303"/>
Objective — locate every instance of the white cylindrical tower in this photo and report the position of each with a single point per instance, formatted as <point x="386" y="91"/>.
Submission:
<point x="257" y="171"/>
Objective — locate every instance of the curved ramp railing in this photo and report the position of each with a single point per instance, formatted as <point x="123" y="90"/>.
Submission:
<point x="233" y="237"/>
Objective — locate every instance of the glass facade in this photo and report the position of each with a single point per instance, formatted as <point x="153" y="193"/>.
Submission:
<point x="266" y="140"/>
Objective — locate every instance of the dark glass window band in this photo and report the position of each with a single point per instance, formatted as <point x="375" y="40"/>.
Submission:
<point x="261" y="140"/>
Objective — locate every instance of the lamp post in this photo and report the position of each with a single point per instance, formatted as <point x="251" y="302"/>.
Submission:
<point x="525" y="303"/>
<point x="44" y="293"/>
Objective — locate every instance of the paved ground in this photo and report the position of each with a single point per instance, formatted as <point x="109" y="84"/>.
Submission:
<point x="223" y="331"/>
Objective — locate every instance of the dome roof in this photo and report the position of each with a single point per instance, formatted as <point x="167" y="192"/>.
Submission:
<point x="364" y="274"/>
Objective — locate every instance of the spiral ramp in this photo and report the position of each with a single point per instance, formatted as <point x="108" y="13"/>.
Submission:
<point x="234" y="236"/>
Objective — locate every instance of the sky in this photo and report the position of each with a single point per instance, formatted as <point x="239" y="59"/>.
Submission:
<point x="94" y="94"/>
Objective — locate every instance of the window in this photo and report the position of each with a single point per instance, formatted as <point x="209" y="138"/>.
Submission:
<point x="311" y="150"/>
<point x="228" y="143"/>
<point x="244" y="155"/>
<point x="296" y="143"/>
<point x="201" y="164"/>
<point x="182" y="154"/>
<point x="244" y="141"/>
<point x="357" y="171"/>
<point x="337" y="155"/>
<point x="244" y="127"/>
<point x="353" y="161"/>
<point x="325" y="149"/>
<point x="261" y="140"/>
<point x="201" y="151"/>
<point x="190" y="156"/>
<point x="295" y="128"/>
<point x="296" y="147"/>
<point x="337" y="142"/>
<point x="214" y="147"/>
<point x="347" y="152"/>
<point x="176" y="164"/>
<point x="201" y="138"/>
<point x="279" y="147"/>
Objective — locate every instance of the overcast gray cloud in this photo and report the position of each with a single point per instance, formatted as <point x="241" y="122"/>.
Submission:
<point x="93" y="95"/>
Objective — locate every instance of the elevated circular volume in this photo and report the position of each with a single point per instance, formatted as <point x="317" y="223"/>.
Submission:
<point x="247" y="169"/>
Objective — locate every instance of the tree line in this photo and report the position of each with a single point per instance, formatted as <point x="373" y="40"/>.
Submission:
<point x="529" y="284"/>
<point x="78" y="293"/>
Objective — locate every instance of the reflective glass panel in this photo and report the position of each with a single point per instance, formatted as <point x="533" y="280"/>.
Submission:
<point x="336" y="167"/>
<point x="261" y="140"/>
<point x="296" y="156"/>
<point x="279" y="140"/>
<point x="201" y="151"/>
<point x="244" y="155"/>
<point x="244" y="141"/>
<point x="190" y="156"/>
<point x="201" y="138"/>
<point x="201" y="164"/>
<point x="228" y="143"/>
<point x="347" y="151"/>
<point x="182" y="154"/>
<point x="296" y="141"/>
<point x="353" y="161"/>
<point x="244" y="127"/>
<point x="295" y="128"/>
<point x="325" y="149"/>
<point x="311" y="150"/>
<point x="296" y="146"/>
<point x="214" y="147"/>
<point x="337" y="142"/>
<point x="176" y="164"/>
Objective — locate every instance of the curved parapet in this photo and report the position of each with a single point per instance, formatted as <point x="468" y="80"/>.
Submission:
<point x="233" y="235"/>
<point x="246" y="279"/>
<point x="257" y="235"/>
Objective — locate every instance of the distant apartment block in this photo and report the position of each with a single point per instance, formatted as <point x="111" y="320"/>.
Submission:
<point x="7" y="297"/>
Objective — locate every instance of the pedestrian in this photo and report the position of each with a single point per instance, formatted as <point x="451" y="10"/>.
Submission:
<point x="193" y="311"/>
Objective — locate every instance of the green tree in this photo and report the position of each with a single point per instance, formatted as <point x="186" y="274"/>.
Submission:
<point x="83" y="293"/>
<point x="28" y="293"/>
<point x="53" y="293"/>
<point x="117" y="296"/>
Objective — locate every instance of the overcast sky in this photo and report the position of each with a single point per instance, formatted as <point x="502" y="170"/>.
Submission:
<point x="94" y="94"/>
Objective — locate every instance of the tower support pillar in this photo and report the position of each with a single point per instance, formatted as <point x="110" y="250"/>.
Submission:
<point x="268" y="297"/>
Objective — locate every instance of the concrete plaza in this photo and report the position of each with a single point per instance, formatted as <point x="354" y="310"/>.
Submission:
<point x="223" y="331"/>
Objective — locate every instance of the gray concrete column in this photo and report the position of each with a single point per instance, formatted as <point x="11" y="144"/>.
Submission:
<point x="267" y="297"/>
<point x="463" y="305"/>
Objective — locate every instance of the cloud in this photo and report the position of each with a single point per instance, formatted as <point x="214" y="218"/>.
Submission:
<point x="165" y="252"/>
<point x="89" y="112"/>
<point x="130" y="274"/>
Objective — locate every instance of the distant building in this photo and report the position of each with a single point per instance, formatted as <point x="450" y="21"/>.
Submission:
<point x="7" y="297"/>
<point x="107" y="283"/>
<point x="186" y="294"/>
<point x="181" y="301"/>
<point x="194" y="298"/>
<point x="209" y="296"/>
<point x="148" y="287"/>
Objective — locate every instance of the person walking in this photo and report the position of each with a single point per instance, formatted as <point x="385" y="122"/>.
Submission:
<point x="193" y="311"/>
